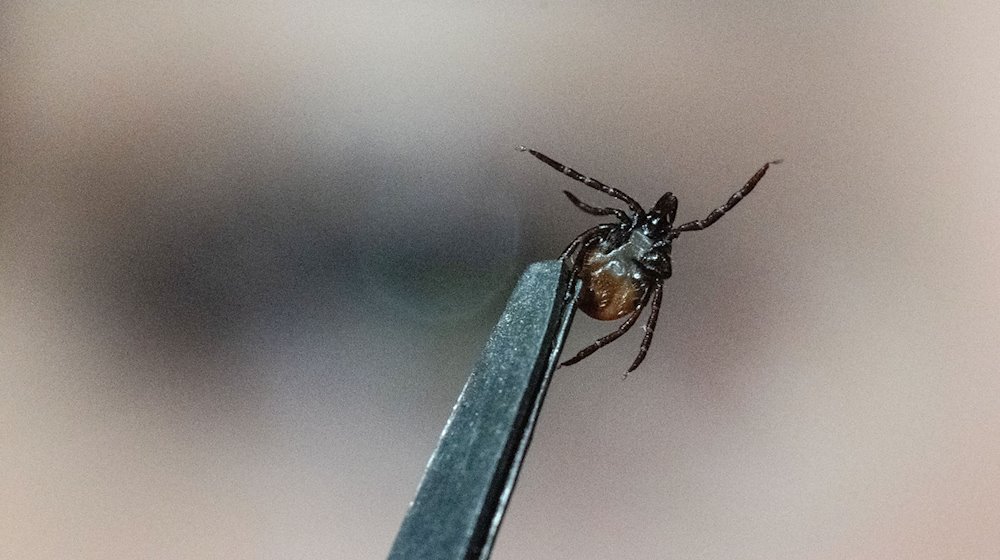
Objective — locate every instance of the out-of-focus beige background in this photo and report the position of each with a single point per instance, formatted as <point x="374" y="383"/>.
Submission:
<point x="248" y="254"/>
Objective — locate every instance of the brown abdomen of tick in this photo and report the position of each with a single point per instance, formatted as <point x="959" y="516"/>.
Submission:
<point x="612" y="285"/>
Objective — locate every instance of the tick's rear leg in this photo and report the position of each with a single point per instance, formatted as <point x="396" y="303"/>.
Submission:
<point x="654" y="311"/>
<point x="608" y="338"/>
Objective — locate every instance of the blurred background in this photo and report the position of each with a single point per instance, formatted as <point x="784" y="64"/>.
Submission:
<point x="249" y="253"/>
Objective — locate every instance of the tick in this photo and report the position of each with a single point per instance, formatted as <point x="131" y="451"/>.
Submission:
<point x="622" y="265"/>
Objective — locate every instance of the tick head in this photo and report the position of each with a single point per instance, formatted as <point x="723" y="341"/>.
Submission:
<point x="661" y="217"/>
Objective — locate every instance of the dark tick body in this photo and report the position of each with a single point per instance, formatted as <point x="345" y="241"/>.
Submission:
<point x="623" y="264"/>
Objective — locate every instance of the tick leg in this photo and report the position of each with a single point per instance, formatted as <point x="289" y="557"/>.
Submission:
<point x="584" y="241"/>
<point x="656" y="264"/>
<point x="619" y="213"/>
<point x="733" y="200"/>
<point x="592" y="183"/>
<point x="585" y="237"/>
<point x="608" y="338"/>
<point x="654" y="311"/>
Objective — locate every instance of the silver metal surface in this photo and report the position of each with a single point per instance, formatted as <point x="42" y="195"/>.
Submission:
<point x="471" y="475"/>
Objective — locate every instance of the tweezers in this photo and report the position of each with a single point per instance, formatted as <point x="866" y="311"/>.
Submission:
<point x="469" y="479"/>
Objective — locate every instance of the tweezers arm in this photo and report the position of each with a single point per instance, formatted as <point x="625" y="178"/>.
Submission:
<point x="469" y="478"/>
